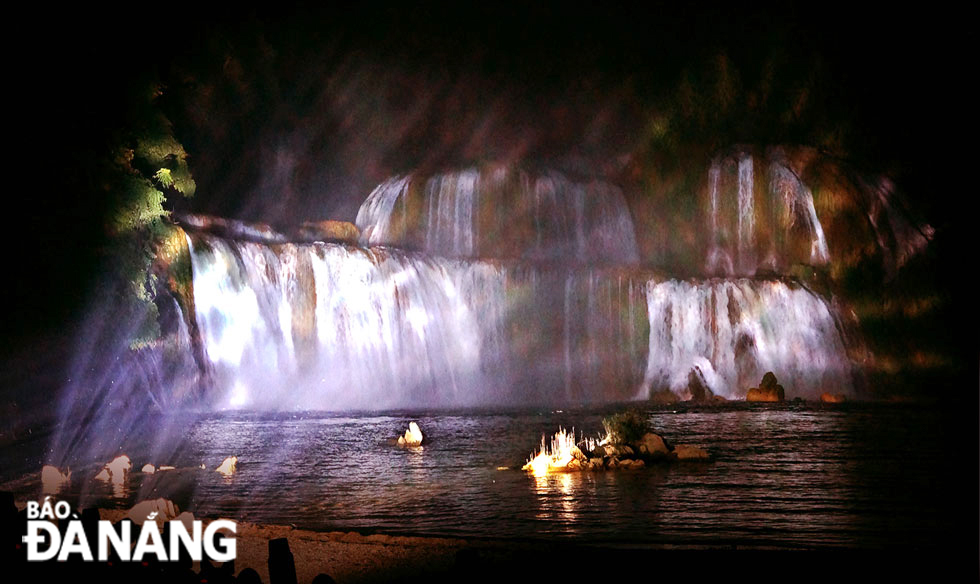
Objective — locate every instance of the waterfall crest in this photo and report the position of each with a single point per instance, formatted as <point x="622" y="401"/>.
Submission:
<point x="504" y="214"/>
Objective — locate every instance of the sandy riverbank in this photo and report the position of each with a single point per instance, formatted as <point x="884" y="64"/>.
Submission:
<point x="347" y="557"/>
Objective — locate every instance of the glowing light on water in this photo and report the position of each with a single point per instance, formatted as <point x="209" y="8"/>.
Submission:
<point x="554" y="457"/>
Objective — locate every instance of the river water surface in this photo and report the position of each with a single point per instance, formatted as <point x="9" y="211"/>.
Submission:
<point x="868" y="476"/>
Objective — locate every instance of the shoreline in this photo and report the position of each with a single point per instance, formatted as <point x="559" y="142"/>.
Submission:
<point x="354" y="557"/>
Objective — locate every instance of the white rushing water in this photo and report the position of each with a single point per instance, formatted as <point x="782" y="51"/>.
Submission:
<point x="746" y="219"/>
<point x="330" y="327"/>
<point x="502" y="213"/>
<point x="325" y="326"/>
<point x="733" y="331"/>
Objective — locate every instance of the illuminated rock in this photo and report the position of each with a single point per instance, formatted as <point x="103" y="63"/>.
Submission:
<point x="328" y="231"/>
<point x="148" y="469"/>
<point x="115" y="470"/>
<point x="833" y="398"/>
<point x="228" y="466"/>
<point x="757" y="394"/>
<point x="653" y="445"/>
<point x="413" y="436"/>
<point x="53" y="480"/>
<point x="768" y="391"/>
<point x="684" y="452"/>
<point x="618" y="450"/>
<point x="663" y="396"/>
<point x="564" y="455"/>
<point x="231" y="228"/>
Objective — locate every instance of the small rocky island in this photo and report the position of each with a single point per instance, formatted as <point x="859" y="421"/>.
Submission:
<point x="629" y="443"/>
<point x="769" y="390"/>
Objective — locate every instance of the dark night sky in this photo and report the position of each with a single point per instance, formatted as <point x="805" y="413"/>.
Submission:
<point x="291" y="127"/>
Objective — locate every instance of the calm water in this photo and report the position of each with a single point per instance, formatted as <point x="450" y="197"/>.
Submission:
<point x="853" y="475"/>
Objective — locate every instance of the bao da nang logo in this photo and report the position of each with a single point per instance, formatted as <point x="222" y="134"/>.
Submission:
<point x="45" y="541"/>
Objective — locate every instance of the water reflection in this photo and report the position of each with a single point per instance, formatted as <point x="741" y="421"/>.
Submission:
<point x="559" y="497"/>
<point x="785" y="476"/>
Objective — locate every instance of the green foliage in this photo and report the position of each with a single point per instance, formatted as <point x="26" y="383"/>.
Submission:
<point x="147" y="165"/>
<point x="625" y="427"/>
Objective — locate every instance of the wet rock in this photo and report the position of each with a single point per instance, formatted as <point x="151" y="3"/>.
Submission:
<point x="768" y="381"/>
<point x="697" y="386"/>
<point x="53" y="480"/>
<point x="330" y="231"/>
<point x="618" y="450"/>
<point x="653" y="445"/>
<point x="685" y="452"/>
<point x="228" y="466"/>
<point x="628" y="464"/>
<point x="231" y="228"/>
<point x="578" y="454"/>
<point x="664" y="396"/>
<point x="413" y="436"/>
<point x="769" y="390"/>
<point x="115" y="470"/>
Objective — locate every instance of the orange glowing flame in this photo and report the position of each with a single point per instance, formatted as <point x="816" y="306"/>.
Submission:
<point x="556" y="456"/>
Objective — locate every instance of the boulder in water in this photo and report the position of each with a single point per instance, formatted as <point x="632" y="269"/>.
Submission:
<point x="768" y="391"/>
<point x="697" y="386"/>
<point x="618" y="450"/>
<point x="653" y="446"/>
<point x="115" y="470"/>
<point x="228" y="466"/>
<point x="413" y="436"/>
<point x="686" y="452"/>
<point x="53" y="480"/>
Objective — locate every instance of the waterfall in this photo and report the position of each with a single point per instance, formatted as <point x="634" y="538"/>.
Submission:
<point x="517" y="287"/>
<point x="719" y="262"/>
<point x="779" y="217"/>
<point x="327" y="326"/>
<point x="502" y="213"/>
<point x="733" y="331"/>
<point x="323" y="326"/>
<point x="374" y="216"/>
<point x="798" y="210"/>
<point x="746" y="215"/>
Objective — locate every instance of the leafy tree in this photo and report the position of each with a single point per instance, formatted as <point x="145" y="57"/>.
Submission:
<point x="146" y="166"/>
